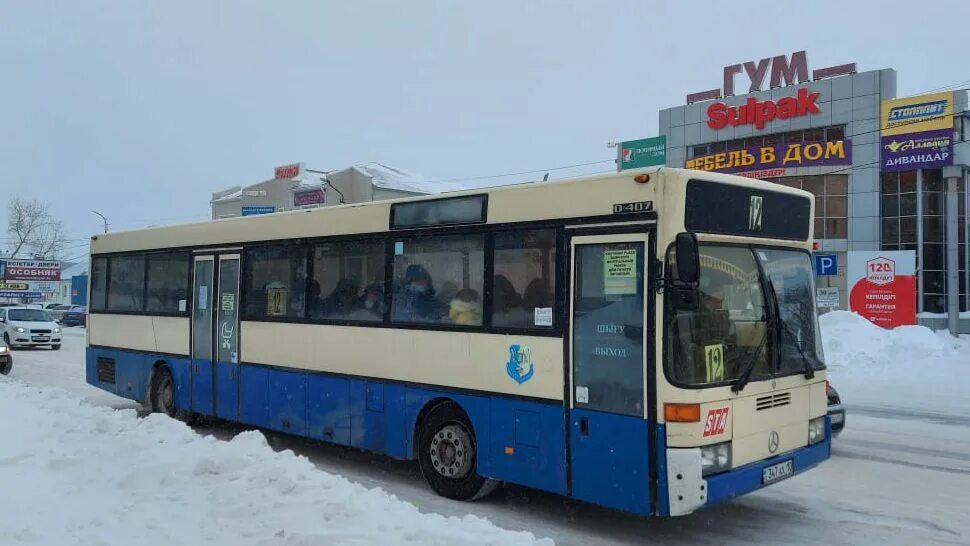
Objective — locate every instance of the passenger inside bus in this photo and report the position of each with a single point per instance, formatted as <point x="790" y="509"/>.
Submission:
<point x="414" y="299"/>
<point x="465" y="308"/>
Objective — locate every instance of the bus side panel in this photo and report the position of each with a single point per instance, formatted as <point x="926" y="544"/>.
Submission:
<point x="367" y="415"/>
<point x="274" y="399"/>
<point x="132" y="373"/>
<point x="395" y="423"/>
<point x="663" y="501"/>
<point x="533" y="431"/>
<point x="528" y="444"/>
<point x="328" y="405"/>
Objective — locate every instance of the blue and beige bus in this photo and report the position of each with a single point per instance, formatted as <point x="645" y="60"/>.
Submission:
<point x="645" y="340"/>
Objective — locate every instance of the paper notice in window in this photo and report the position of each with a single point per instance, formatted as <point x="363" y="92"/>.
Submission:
<point x="619" y="272"/>
<point x="276" y="299"/>
<point x="582" y="395"/>
<point x="182" y="304"/>
<point x="543" y="316"/>
<point x="203" y="297"/>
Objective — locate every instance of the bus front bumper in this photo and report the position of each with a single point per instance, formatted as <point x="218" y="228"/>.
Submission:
<point x="688" y="491"/>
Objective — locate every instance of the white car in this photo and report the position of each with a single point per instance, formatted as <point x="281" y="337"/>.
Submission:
<point x="29" y="327"/>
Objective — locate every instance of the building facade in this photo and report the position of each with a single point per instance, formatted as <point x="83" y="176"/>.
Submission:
<point x="295" y="187"/>
<point x="825" y="134"/>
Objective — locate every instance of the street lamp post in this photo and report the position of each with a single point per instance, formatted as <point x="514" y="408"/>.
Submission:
<point x="103" y="218"/>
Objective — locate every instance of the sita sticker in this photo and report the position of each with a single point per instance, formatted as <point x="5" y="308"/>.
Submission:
<point x="520" y="366"/>
<point x="716" y="419"/>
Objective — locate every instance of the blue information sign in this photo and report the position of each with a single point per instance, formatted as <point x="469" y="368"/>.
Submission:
<point x="826" y="265"/>
<point x="251" y="210"/>
<point x="19" y="294"/>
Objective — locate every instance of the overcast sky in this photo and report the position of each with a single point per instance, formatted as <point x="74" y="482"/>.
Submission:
<point x="142" y="109"/>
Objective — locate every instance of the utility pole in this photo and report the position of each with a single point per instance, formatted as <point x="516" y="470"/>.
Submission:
<point x="104" y="218"/>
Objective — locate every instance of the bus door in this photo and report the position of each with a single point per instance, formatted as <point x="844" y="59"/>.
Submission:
<point x="215" y="335"/>
<point x="608" y="430"/>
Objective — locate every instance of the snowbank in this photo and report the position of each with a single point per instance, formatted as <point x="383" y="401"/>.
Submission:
<point x="910" y="365"/>
<point x="72" y="473"/>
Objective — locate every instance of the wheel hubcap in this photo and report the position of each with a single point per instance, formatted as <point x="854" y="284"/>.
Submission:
<point x="449" y="451"/>
<point x="168" y="397"/>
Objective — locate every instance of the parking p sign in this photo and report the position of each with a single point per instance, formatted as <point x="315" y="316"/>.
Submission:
<point x="826" y="265"/>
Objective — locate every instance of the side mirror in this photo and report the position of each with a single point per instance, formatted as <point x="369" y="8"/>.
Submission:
<point x="688" y="258"/>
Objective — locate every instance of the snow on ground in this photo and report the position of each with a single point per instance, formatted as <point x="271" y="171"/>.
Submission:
<point x="76" y="473"/>
<point x="909" y="366"/>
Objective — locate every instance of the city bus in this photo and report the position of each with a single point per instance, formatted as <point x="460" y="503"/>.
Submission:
<point x="645" y="340"/>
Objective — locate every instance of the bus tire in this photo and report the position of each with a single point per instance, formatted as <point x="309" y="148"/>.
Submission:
<point x="162" y="396"/>
<point x="447" y="454"/>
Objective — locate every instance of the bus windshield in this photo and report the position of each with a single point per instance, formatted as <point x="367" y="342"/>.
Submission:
<point x="735" y="327"/>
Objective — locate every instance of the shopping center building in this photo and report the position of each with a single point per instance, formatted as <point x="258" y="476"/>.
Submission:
<point x="879" y="168"/>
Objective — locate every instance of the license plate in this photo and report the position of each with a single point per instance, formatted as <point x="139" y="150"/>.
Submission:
<point x="41" y="338"/>
<point x="836" y="418"/>
<point x="777" y="472"/>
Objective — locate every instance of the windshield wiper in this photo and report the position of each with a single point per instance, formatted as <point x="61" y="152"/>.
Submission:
<point x="807" y="365"/>
<point x="772" y="304"/>
<point x="742" y="380"/>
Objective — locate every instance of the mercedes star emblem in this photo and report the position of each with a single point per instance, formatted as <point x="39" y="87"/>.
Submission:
<point x="773" y="442"/>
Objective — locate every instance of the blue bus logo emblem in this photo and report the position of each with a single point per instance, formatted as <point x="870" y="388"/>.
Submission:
<point x="520" y="366"/>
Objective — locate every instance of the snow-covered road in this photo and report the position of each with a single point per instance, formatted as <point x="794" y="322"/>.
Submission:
<point x="900" y="473"/>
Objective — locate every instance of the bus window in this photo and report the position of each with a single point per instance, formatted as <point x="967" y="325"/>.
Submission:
<point x="525" y="279"/>
<point x="99" y="283"/>
<point x="276" y="282"/>
<point x="126" y="285"/>
<point x="168" y="282"/>
<point x="439" y="280"/>
<point x="348" y="281"/>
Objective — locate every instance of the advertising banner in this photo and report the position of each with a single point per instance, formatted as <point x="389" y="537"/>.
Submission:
<point x="932" y="112"/>
<point x="31" y="270"/>
<point x="925" y="150"/>
<point x="775" y="158"/>
<point x="303" y="198"/>
<point x="19" y="294"/>
<point x="882" y="286"/>
<point x="646" y="152"/>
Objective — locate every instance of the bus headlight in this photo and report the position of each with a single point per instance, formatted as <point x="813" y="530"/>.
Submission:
<point x="816" y="430"/>
<point x="715" y="458"/>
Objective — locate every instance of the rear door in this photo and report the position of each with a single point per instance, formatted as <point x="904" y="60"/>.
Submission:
<point x="609" y="451"/>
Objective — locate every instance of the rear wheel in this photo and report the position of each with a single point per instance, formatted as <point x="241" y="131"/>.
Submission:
<point x="6" y="366"/>
<point x="447" y="454"/>
<point x="163" y="396"/>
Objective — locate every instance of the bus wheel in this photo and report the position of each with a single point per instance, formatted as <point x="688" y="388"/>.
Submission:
<point x="163" y="396"/>
<point x="447" y="454"/>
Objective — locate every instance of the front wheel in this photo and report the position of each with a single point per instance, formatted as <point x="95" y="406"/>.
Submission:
<point x="447" y="455"/>
<point x="56" y="347"/>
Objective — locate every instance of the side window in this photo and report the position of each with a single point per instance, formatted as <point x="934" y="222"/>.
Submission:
<point x="439" y="280"/>
<point x="99" y="283"/>
<point x="126" y="285"/>
<point x="525" y="279"/>
<point x="348" y="281"/>
<point x="168" y="281"/>
<point x="276" y="282"/>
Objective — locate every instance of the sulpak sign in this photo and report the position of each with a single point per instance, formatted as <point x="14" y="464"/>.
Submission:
<point x="758" y="113"/>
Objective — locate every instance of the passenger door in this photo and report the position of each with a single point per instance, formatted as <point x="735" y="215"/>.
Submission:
<point x="202" y="354"/>
<point x="608" y="429"/>
<point x="227" y="338"/>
